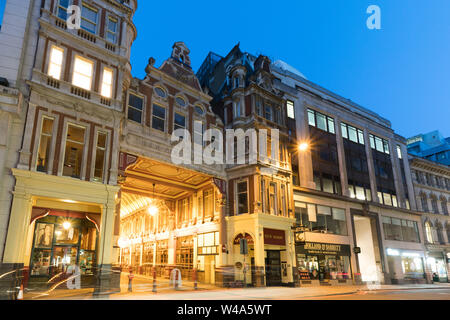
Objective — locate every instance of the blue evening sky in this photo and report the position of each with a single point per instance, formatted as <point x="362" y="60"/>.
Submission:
<point x="400" y="72"/>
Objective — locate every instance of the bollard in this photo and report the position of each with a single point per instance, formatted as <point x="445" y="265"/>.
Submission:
<point x="154" y="280"/>
<point x="130" y="280"/>
<point x="195" y="279"/>
<point x="176" y="280"/>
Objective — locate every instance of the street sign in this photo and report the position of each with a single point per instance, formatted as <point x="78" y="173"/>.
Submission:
<point x="244" y="246"/>
<point x="357" y="250"/>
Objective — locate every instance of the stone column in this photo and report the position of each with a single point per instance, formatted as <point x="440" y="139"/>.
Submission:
<point x="259" y="256"/>
<point x="341" y="158"/>
<point x="108" y="281"/>
<point x="13" y="255"/>
<point x="373" y="181"/>
<point x="398" y="181"/>
<point x="305" y="167"/>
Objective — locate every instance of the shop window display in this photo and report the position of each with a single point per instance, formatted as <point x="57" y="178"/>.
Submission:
<point x="61" y="242"/>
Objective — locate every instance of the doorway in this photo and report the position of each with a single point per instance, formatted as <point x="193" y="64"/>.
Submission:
<point x="210" y="269"/>
<point x="273" y="268"/>
<point x="369" y="258"/>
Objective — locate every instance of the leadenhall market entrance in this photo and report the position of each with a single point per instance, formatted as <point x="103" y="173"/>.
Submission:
<point x="324" y="263"/>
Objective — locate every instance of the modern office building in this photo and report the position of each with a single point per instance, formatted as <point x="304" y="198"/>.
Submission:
<point x="354" y="199"/>
<point x="432" y="146"/>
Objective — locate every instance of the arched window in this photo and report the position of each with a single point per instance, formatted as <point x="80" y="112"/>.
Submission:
<point x="160" y="92"/>
<point x="424" y="201"/>
<point x="180" y="101"/>
<point x="448" y="232"/>
<point x="434" y="204"/>
<point x="199" y="110"/>
<point x="428" y="232"/>
<point x="440" y="233"/>
<point x="444" y="206"/>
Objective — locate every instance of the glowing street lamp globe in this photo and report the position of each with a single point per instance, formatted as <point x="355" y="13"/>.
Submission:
<point x="303" y="146"/>
<point x="67" y="225"/>
<point x="152" y="210"/>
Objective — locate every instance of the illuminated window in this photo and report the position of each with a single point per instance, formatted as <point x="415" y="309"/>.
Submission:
<point x="290" y="109"/>
<point x="111" y="30"/>
<point x="100" y="156"/>
<point x="44" y="145"/>
<point x="74" y="149"/>
<point x="208" y="205"/>
<point x="107" y="82"/>
<point x="89" y="19"/>
<point x="273" y="198"/>
<point x="399" y="152"/>
<point x="428" y="232"/>
<point x="82" y="73"/>
<point x="321" y="121"/>
<point x="55" y="63"/>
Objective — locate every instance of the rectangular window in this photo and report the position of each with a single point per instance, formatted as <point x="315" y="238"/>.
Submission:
<point x="55" y="63"/>
<point x="111" y="30"/>
<point x="268" y="112"/>
<point x="321" y="121"/>
<point x="89" y="17"/>
<point x="208" y="203"/>
<point x="179" y="122"/>
<point x="344" y="130"/>
<point x="73" y="157"/>
<point x="283" y="200"/>
<point x="273" y="198"/>
<point x="360" y="136"/>
<point x="290" y="109"/>
<point x="352" y="134"/>
<point x="62" y="9"/>
<point x="107" y="82"/>
<point x="135" y="106"/>
<point x="158" y="117"/>
<point x="242" y="197"/>
<point x="82" y="73"/>
<point x="100" y="156"/>
<point x="43" y="155"/>
<point x="379" y="144"/>
<point x="311" y="118"/>
<point x="372" y="141"/>
<point x="399" y="152"/>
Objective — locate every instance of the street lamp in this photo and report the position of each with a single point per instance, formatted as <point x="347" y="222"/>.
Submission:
<point x="303" y="146"/>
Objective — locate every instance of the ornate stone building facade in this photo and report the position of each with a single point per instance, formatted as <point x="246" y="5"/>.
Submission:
<point x="64" y="198"/>
<point x="432" y="192"/>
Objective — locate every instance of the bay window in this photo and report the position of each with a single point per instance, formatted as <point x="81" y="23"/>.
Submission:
<point x="82" y="73"/>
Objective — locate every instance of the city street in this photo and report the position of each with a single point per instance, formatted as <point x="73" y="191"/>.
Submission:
<point x="373" y="292"/>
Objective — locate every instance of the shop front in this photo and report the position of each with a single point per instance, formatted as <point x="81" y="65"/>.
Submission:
<point x="63" y="240"/>
<point x="437" y="265"/>
<point x="323" y="263"/>
<point x="275" y="257"/>
<point x="405" y="266"/>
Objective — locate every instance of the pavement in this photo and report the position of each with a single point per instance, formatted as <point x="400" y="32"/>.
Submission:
<point x="142" y="289"/>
